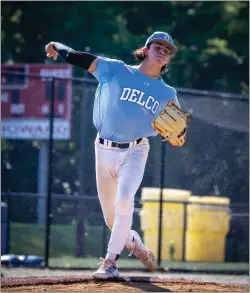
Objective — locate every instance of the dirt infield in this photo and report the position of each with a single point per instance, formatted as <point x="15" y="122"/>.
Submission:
<point x="124" y="284"/>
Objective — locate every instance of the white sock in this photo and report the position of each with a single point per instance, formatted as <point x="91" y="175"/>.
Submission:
<point x="112" y="256"/>
<point x="120" y="233"/>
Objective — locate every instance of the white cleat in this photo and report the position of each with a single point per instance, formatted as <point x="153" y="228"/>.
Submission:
<point x="145" y="255"/>
<point x="107" y="269"/>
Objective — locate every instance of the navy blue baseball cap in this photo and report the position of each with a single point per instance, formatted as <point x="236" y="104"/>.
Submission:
<point x="162" y="37"/>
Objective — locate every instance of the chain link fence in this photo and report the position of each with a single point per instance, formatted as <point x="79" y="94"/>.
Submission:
<point x="214" y="161"/>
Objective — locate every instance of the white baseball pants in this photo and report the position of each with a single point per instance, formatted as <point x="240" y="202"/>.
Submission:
<point x="119" y="173"/>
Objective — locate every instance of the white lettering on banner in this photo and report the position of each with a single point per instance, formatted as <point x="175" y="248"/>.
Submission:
<point x="45" y="109"/>
<point x="34" y="129"/>
<point x="57" y="72"/>
<point x="131" y="95"/>
<point x="61" y="109"/>
<point x="17" y="108"/>
<point x="5" y="97"/>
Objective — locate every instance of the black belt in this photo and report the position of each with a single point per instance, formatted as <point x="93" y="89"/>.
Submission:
<point x="120" y="145"/>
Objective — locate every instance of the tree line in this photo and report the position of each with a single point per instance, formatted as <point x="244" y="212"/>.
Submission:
<point x="212" y="37"/>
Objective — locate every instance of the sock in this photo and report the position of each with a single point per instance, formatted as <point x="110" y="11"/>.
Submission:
<point x="112" y="256"/>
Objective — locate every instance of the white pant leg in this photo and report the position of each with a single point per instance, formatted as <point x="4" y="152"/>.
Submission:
<point x="106" y="181"/>
<point x="130" y="175"/>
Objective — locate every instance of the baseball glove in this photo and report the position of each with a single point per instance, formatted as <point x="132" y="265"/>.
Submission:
<point x="172" y="123"/>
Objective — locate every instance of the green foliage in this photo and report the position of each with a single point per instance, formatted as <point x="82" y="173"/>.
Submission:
<point x="17" y="156"/>
<point x="212" y="36"/>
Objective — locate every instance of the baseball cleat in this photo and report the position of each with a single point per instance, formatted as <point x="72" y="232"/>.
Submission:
<point x="145" y="255"/>
<point x="107" y="269"/>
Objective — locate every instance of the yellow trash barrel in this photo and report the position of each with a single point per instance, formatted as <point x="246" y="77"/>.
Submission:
<point x="172" y="225"/>
<point x="208" y="222"/>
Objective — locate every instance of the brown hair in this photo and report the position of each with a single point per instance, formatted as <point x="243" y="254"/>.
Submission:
<point x="140" y="56"/>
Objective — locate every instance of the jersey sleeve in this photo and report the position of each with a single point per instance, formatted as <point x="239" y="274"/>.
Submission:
<point x="175" y="99"/>
<point x="106" y="68"/>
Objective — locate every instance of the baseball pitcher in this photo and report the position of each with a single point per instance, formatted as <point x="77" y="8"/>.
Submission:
<point x="131" y="104"/>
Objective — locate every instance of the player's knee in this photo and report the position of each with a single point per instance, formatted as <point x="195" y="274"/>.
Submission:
<point x="124" y="206"/>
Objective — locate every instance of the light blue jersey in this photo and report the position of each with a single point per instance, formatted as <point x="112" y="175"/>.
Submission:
<point x="127" y="101"/>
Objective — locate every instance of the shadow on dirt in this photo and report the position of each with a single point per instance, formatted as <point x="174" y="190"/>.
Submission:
<point x="148" y="287"/>
<point x="142" y="283"/>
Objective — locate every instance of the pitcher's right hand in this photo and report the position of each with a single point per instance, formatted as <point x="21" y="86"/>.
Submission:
<point x="51" y="52"/>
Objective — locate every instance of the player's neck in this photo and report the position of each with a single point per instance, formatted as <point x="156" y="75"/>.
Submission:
<point x="149" y="69"/>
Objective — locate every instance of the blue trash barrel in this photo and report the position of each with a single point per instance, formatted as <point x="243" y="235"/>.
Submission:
<point x="4" y="228"/>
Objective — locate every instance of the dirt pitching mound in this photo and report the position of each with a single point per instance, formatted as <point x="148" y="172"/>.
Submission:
<point x="124" y="284"/>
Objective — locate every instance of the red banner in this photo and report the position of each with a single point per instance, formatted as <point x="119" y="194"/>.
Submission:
<point x="27" y="99"/>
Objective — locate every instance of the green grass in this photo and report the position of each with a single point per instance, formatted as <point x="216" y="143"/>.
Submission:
<point x="27" y="238"/>
<point x="30" y="239"/>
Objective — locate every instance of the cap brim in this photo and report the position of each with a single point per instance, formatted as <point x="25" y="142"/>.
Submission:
<point x="173" y="48"/>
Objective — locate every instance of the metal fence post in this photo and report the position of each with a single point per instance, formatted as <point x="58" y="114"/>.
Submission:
<point x="9" y="201"/>
<point x="161" y="201"/>
<point x="80" y="230"/>
<point x="50" y="173"/>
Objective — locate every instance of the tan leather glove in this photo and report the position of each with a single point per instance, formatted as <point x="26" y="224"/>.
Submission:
<point x="172" y="123"/>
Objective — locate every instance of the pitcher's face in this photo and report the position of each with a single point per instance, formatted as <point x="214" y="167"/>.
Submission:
<point x="158" y="53"/>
